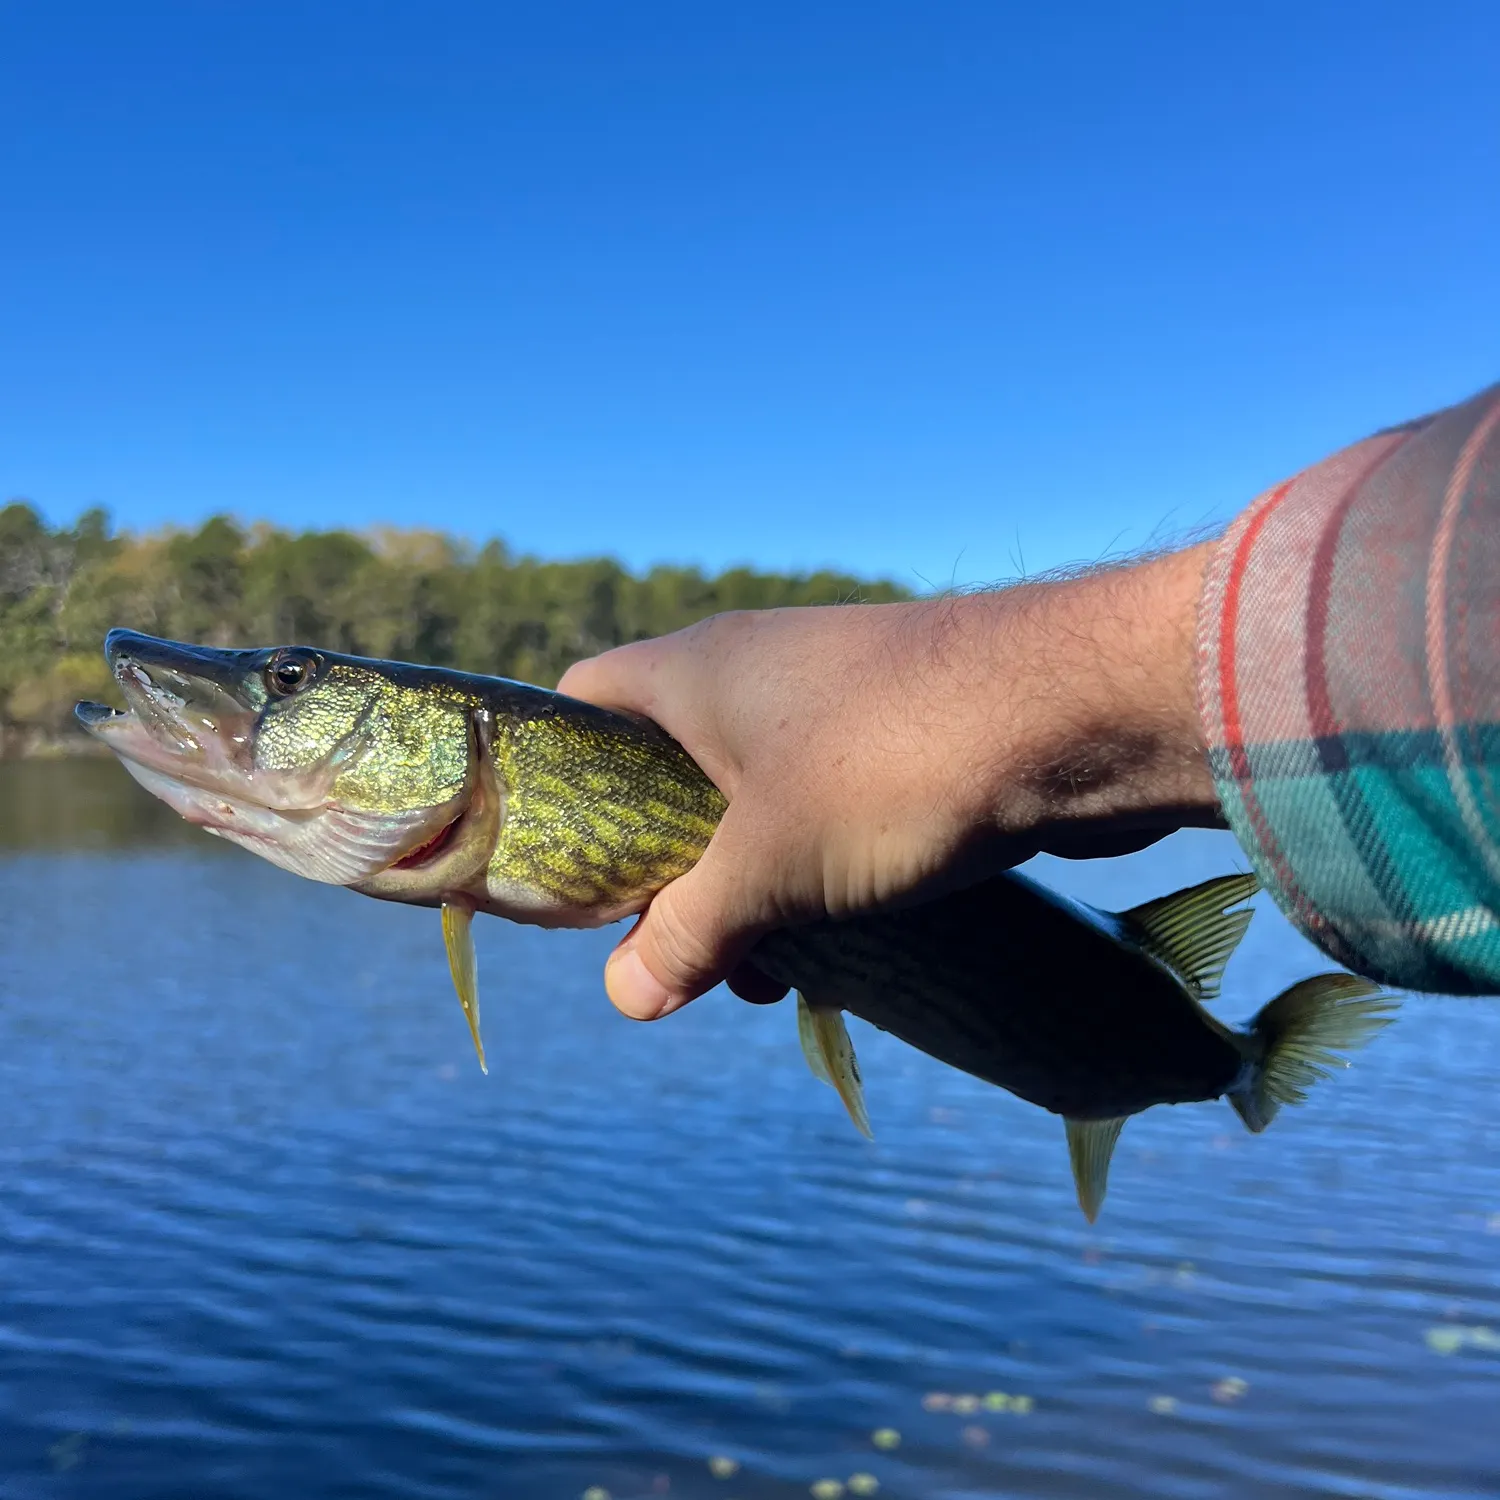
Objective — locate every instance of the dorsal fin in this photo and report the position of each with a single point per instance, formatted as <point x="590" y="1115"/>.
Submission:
<point x="1091" y="1143"/>
<point x="1191" y="932"/>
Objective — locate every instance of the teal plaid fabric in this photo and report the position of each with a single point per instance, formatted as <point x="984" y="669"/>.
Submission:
<point x="1349" y="682"/>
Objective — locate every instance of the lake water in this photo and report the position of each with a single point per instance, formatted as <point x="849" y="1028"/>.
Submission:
<point x="265" y="1230"/>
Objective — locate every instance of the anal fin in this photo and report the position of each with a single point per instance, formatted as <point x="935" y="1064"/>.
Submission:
<point x="458" y="938"/>
<point x="1091" y="1143"/>
<point x="830" y="1055"/>
<point x="1191" y="932"/>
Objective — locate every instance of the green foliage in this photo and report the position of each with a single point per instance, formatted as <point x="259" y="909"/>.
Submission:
<point x="412" y="596"/>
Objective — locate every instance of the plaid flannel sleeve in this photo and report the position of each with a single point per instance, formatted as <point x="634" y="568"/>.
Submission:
<point x="1349" y="659"/>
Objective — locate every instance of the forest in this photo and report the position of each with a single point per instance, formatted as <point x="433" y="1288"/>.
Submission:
<point x="410" y="595"/>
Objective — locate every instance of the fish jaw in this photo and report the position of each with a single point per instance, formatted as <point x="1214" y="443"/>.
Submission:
<point x="189" y="737"/>
<point x="190" y="730"/>
<point x="331" y="844"/>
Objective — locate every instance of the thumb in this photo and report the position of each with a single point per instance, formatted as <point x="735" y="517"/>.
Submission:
<point x="694" y="932"/>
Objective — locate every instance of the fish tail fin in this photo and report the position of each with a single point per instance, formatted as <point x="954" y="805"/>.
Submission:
<point x="1299" y="1038"/>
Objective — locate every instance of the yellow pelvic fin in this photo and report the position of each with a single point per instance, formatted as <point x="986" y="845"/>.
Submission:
<point x="808" y="1036"/>
<point x="1191" y="932"/>
<point x="1091" y="1143"/>
<point x="459" y="940"/>
<point x="830" y="1055"/>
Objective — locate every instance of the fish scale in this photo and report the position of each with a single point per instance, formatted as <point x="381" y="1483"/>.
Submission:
<point x="592" y="817"/>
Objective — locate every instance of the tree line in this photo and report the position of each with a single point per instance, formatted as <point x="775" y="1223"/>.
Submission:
<point x="410" y="595"/>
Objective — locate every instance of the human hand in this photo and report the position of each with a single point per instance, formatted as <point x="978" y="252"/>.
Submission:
<point x="877" y="753"/>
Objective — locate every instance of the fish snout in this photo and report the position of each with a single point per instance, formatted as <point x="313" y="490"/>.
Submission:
<point x="181" y="699"/>
<point x="121" y="644"/>
<point x="158" y="674"/>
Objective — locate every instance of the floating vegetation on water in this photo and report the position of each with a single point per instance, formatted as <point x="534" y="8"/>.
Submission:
<point x="1228" y="1390"/>
<point x="66" y="1452"/>
<point x="1163" y="1406"/>
<point x="831" y="1489"/>
<point x="966" y="1406"/>
<point x="1449" y="1338"/>
<point x="999" y="1401"/>
<point x="723" y="1468"/>
<point x="886" y="1438"/>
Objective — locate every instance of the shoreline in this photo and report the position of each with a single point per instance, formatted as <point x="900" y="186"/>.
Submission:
<point x="17" y="744"/>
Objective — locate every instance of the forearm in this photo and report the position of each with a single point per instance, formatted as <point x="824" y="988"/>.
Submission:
<point x="1078" y="705"/>
<point x="1108" y="719"/>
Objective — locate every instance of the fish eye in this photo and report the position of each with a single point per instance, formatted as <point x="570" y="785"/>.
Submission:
<point x="288" y="672"/>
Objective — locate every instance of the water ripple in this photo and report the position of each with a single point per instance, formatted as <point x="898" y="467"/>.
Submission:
<point x="265" y="1229"/>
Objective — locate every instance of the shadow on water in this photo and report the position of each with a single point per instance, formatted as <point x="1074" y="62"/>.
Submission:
<point x="265" y="1229"/>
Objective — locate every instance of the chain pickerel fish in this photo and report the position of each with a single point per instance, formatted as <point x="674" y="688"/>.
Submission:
<point x="477" y="794"/>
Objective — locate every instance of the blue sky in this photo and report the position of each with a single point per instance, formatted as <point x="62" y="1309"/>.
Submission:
<point x="922" y="290"/>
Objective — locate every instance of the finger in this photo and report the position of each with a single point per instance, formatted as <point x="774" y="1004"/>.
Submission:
<point x="662" y="680"/>
<point x="751" y="984"/>
<point x="693" y="934"/>
<point x="620" y="678"/>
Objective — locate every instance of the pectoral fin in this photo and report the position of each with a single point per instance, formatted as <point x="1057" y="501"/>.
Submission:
<point x="459" y="940"/>
<point x="830" y="1055"/>
<point x="1091" y="1143"/>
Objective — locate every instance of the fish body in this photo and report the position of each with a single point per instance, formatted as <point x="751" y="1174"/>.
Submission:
<point x="1052" y="1000"/>
<point x="477" y="794"/>
<point x="414" y="784"/>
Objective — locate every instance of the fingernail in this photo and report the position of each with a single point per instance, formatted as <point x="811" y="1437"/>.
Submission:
<point x="633" y="988"/>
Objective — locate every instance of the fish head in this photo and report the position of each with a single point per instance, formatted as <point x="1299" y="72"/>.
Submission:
<point x="337" y="768"/>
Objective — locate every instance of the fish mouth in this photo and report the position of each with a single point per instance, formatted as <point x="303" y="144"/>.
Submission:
<point x="188" y="736"/>
<point x="187" y="713"/>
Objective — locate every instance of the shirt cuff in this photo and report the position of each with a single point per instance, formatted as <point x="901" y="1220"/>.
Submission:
<point x="1349" y="686"/>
